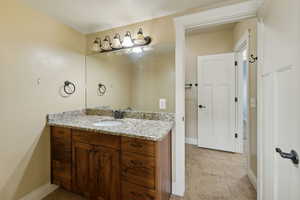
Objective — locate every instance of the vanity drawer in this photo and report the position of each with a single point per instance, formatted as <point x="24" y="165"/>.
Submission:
<point x="139" y="146"/>
<point x="135" y="192"/>
<point x="62" y="133"/>
<point x="101" y="139"/>
<point x="138" y="169"/>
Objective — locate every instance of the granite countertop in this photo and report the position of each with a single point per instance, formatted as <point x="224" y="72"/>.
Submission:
<point x="154" y="130"/>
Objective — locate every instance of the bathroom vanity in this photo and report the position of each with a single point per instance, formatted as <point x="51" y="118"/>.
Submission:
<point x="131" y="161"/>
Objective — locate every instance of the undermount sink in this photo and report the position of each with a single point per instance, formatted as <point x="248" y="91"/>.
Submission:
<point x="108" y="123"/>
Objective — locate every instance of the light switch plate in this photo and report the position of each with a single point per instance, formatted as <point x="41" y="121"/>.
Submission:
<point x="162" y="104"/>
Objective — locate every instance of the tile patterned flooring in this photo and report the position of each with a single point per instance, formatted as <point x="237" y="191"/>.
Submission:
<point x="210" y="175"/>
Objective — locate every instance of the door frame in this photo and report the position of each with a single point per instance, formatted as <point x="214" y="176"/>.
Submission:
<point x="204" y="19"/>
<point x="244" y="43"/>
<point x="260" y="142"/>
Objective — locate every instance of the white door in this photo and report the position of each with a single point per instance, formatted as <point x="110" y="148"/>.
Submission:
<point x="280" y="102"/>
<point x="281" y="129"/>
<point x="216" y="102"/>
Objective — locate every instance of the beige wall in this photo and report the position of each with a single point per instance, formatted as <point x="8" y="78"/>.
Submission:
<point x="33" y="46"/>
<point x="239" y="30"/>
<point x="116" y="73"/>
<point x="200" y="43"/>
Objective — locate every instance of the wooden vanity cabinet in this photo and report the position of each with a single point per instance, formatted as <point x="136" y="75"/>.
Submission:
<point x="106" y="167"/>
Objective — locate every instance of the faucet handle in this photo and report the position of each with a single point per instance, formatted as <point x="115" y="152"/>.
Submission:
<point x="118" y="114"/>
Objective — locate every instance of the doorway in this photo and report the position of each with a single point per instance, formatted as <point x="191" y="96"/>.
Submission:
<point x="217" y="112"/>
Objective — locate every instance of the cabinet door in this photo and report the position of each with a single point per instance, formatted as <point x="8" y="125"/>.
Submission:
<point x="105" y="174"/>
<point x="61" y="163"/>
<point x="61" y="157"/>
<point x="81" y="173"/>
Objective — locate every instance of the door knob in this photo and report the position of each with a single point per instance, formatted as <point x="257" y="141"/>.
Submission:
<point x="201" y="106"/>
<point x="292" y="156"/>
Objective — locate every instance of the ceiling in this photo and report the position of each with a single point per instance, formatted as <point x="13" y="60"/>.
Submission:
<point x="89" y="16"/>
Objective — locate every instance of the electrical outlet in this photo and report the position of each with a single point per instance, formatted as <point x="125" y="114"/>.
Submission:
<point x="162" y="104"/>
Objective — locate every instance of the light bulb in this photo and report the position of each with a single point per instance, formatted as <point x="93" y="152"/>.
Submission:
<point x="106" y="44"/>
<point x="116" y="44"/>
<point x="140" y="39"/>
<point x="96" y="45"/>
<point x="127" y="42"/>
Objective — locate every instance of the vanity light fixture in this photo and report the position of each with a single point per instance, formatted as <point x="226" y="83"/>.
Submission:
<point x="128" y="43"/>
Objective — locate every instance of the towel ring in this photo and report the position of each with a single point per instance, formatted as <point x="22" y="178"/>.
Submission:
<point x="69" y="87"/>
<point x="101" y="89"/>
<point x="252" y="59"/>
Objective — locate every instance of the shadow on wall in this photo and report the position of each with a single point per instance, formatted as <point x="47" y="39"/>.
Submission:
<point x="26" y="172"/>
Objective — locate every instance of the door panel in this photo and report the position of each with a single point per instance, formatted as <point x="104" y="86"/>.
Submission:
<point x="105" y="174"/>
<point x="81" y="168"/>
<point x="286" y="131"/>
<point x="280" y="97"/>
<point x="216" y="92"/>
<point x="281" y="129"/>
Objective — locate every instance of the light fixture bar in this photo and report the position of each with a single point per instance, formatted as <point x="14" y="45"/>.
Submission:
<point x="116" y="45"/>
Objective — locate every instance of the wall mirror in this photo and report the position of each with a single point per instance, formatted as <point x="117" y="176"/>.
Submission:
<point x="137" y="79"/>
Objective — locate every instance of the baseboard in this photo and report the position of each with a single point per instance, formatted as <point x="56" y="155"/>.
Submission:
<point x="177" y="189"/>
<point x="40" y="192"/>
<point x="252" y="178"/>
<point x="191" y="141"/>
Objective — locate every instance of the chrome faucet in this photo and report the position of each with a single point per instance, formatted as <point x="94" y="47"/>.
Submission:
<point x="118" y="114"/>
